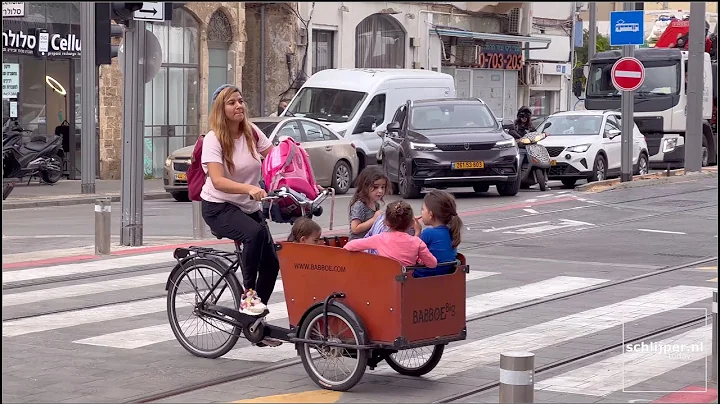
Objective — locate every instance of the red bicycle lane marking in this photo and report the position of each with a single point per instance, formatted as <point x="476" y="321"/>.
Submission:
<point x="203" y="243"/>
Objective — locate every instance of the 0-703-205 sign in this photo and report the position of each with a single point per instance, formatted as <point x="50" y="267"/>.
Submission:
<point x="500" y="56"/>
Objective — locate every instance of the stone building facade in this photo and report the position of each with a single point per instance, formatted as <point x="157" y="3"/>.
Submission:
<point x="203" y="47"/>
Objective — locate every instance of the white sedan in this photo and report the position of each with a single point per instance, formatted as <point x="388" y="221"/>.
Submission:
<point x="587" y="145"/>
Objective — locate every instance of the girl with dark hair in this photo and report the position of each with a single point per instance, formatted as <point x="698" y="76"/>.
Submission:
<point x="396" y="243"/>
<point x="442" y="239"/>
<point x="365" y="204"/>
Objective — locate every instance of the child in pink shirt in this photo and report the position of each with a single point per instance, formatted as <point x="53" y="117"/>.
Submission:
<point x="396" y="243"/>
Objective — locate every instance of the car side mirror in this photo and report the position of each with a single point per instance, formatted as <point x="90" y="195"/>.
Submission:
<point x="613" y="133"/>
<point x="366" y="124"/>
<point x="393" y="127"/>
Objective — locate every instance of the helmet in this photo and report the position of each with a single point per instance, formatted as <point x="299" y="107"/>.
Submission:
<point x="524" y="111"/>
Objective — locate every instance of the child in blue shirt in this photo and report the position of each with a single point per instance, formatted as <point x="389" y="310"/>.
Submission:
<point x="442" y="239"/>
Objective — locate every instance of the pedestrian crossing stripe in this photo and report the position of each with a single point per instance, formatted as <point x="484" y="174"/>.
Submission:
<point x="627" y="369"/>
<point x="458" y="357"/>
<point x="713" y="280"/>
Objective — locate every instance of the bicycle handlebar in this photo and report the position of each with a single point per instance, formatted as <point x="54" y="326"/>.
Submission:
<point x="285" y="192"/>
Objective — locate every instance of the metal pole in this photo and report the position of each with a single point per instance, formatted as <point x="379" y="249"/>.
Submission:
<point x="696" y="54"/>
<point x="262" y="60"/>
<point x="715" y="337"/>
<point x="628" y="109"/>
<point x="132" y="173"/>
<point x="88" y="141"/>
<point x="102" y="226"/>
<point x="571" y="56"/>
<point x="517" y="374"/>
<point x="592" y="30"/>
<point x="198" y="221"/>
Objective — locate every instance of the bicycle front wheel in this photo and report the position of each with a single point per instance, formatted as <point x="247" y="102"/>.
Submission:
<point x="201" y="335"/>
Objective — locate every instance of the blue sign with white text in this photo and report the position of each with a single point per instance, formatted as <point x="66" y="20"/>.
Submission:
<point x="627" y="28"/>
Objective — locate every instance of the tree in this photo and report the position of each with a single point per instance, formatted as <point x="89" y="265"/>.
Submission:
<point x="581" y="54"/>
<point x="581" y="58"/>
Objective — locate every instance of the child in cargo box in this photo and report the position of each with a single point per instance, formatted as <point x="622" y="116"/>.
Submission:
<point x="365" y="204"/>
<point x="397" y="243"/>
<point x="305" y="231"/>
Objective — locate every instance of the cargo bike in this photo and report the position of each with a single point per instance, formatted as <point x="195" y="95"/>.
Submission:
<point x="340" y="305"/>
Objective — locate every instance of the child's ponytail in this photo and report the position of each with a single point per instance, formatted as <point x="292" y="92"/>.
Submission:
<point x="442" y="205"/>
<point x="455" y="225"/>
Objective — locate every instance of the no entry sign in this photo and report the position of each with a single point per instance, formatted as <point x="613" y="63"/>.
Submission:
<point x="628" y="74"/>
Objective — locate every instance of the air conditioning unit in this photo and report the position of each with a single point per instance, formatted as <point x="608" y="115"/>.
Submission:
<point x="514" y="18"/>
<point x="465" y="54"/>
<point x="534" y="76"/>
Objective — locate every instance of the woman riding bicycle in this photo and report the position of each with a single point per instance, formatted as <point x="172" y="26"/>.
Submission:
<point x="231" y="196"/>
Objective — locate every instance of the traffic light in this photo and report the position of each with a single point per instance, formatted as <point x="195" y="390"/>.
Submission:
<point x="105" y="30"/>
<point x="123" y="12"/>
<point x="577" y="81"/>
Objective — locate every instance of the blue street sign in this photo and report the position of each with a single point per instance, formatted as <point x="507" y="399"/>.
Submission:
<point x="627" y="28"/>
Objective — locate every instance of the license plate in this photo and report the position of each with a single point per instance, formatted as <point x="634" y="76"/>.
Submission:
<point x="468" y="165"/>
<point x="181" y="177"/>
<point x="553" y="162"/>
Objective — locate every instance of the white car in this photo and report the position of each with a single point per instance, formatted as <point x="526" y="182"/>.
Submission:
<point x="587" y="145"/>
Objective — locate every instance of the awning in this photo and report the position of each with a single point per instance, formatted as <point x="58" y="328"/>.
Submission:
<point x="488" y="36"/>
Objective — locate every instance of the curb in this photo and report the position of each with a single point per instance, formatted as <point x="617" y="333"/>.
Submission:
<point x="76" y="200"/>
<point x="642" y="181"/>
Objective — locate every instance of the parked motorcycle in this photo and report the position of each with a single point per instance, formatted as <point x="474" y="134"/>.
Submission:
<point x="41" y="155"/>
<point x="535" y="161"/>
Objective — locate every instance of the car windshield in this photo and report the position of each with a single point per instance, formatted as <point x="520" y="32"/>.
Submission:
<point x="661" y="78"/>
<point x="326" y="104"/>
<point x="560" y="125"/>
<point x="452" y="116"/>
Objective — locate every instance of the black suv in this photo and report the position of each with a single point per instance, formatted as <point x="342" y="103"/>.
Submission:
<point x="449" y="142"/>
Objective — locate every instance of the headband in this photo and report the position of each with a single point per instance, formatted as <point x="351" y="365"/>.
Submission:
<point x="219" y="89"/>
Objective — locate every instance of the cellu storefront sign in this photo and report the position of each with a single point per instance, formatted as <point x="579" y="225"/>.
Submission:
<point x="40" y="42"/>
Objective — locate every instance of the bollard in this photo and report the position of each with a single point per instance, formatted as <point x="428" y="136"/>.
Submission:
<point x="198" y="221"/>
<point x="517" y="373"/>
<point x="102" y="226"/>
<point x="714" y="338"/>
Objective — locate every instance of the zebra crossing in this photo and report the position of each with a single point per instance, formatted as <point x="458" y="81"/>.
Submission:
<point x="596" y="379"/>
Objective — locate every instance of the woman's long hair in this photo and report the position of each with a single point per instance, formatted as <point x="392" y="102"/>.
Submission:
<point x="219" y="124"/>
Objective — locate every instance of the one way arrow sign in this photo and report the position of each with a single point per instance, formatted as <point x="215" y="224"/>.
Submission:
<point x="150" y="12"/>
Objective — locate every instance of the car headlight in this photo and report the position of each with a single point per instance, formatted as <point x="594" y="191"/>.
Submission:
<point x="579" y="148"/>
<point x="669" y="145"/>
<point x="504" y="144"/>
<point x="168" y="162"/>
<point x="422" y="146"/>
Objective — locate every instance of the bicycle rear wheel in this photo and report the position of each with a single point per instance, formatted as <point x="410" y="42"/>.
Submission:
<point x="200" y="335"/>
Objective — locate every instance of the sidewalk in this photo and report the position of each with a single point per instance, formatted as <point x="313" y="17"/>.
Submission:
<point x="67" y="192"/>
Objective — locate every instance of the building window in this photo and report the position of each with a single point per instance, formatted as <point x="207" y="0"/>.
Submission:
<point x="219" y="39"/>
<point x="323" y="45"/>
<point x="542" y="103"/>
<point x="380" y="43"/>
<point x="173" y="96"/>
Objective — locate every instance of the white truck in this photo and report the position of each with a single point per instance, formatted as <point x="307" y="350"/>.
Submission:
<point x="660" y="104"/>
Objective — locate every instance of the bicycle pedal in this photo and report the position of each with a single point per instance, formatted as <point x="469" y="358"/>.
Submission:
<point x="271" y="342"/>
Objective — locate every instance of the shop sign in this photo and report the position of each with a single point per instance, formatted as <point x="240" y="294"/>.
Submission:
<point x="500" y="56"/>
<point x="11" y="80"/>
<point x="13" y="9"/>
<point x="39" y="42"/>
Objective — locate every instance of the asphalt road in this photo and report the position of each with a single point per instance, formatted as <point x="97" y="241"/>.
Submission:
<point x="106" y="345"/>
<point x="167" y="221"/>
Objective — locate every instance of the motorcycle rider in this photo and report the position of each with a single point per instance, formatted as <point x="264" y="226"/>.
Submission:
<point x="522" y="125"/>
